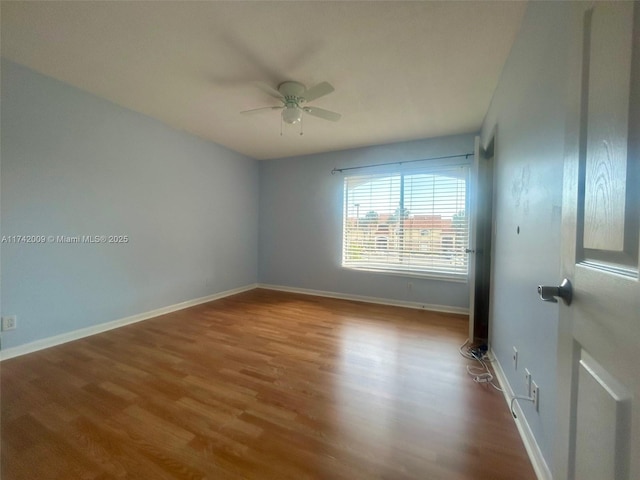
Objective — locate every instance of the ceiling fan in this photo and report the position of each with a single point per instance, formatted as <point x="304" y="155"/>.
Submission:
<point x="293" y="96"/>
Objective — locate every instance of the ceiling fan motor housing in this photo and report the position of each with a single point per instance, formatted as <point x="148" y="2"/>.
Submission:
<point x="293" y="90"/>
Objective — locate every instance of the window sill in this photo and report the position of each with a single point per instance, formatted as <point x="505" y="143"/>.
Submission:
<point x="404" y="273"/>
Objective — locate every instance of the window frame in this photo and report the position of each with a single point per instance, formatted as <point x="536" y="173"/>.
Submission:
<point x="412" y="270"/>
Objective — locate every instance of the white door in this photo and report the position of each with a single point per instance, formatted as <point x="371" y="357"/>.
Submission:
<point x="598" y="435"/>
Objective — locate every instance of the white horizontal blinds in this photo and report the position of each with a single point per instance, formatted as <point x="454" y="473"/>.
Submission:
<point x="407" y="222"/>
<point x="370" y="201"/>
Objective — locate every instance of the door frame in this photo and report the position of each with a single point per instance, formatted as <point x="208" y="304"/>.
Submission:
<point x="482" y="153"/>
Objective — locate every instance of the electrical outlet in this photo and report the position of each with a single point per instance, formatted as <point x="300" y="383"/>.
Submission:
<point x="9" y="322"/>
<point x="527" y="381"/>
<point x="535" y="394"/>
<point x="515" y="358"/>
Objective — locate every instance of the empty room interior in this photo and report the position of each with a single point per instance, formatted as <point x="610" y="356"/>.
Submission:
<point x="320" y="240"/>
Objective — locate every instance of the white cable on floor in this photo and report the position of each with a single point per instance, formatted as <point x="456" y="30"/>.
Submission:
<point x="480" y="375"/>
<point x="484" y="375"/>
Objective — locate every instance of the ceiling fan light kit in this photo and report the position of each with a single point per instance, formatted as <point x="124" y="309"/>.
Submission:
<point x="293" y="95"/>
<point x="291" y="115"/>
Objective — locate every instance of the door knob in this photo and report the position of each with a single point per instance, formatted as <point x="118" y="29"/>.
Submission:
<point x="564" y="291"/>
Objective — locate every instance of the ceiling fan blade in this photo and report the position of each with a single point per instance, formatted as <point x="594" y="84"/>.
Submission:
<point x="268" y="90"/>
<point x="320" y="90"/>
<point x="322" y="113"/>
<point x="256" y="110"/>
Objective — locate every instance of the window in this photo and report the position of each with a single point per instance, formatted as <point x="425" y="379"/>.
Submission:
<point x="408" y="222"/>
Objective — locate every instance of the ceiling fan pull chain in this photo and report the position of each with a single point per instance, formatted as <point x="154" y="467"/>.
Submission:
<point x="301" y="120"/>
<point x="280" y="125"/>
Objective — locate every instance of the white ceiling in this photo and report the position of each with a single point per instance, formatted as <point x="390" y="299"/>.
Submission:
<point x="401" y="70"/>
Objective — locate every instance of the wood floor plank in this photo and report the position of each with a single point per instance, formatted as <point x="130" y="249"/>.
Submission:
<point x="260" y="385"/>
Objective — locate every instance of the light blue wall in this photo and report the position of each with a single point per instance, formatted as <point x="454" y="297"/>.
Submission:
<point x="75" y="164"/>
<point x="301" y="224"/>
<point x="528" y="113"/>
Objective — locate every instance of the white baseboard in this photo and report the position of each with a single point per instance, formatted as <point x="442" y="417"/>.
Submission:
<point x="533" y="450"/>
<point x="362" y="298"/>
<point x="103" y="327"/>
<point x="41" y="344"/>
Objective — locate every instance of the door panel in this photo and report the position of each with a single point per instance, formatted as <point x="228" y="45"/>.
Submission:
<point x="598" y="409"/>
<point x="607" y="121"/>
<point x="603" y="407"/>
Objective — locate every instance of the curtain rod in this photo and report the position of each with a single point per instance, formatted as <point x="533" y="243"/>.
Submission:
<point x="465" y="155"/>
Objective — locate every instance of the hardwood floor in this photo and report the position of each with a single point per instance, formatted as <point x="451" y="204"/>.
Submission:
<point x="261" y="385"/>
